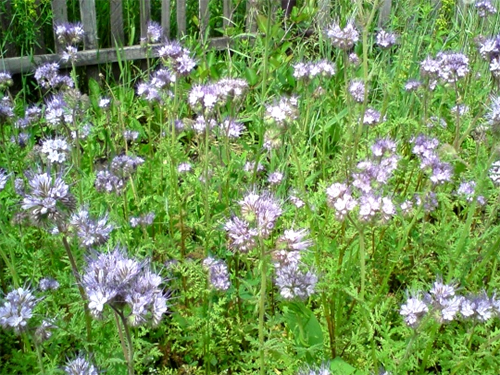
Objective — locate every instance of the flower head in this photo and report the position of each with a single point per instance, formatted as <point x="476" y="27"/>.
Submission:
<point x="17" y="309"/>
<point x="114" y="278"/>
<point x="345" y="38"/>
<point x="48" y="200"/>
<point x="218" y="273"/>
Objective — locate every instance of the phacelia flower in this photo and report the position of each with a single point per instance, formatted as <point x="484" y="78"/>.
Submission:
<point x="282" y="112"/>
<point x="69" y="33"/>
<point x="357" y="90"/>
<point x="485" y="8"/>
<point x="115" y="279"/>
<point x="218" y="273"/>
<point x="293" y="282"/>
<point x="413" y="310"/>
<point x="385" y="39"/>
<point x="345" y="38"/>
<point x="80" y="366"/>
<point x="17" y="309"/>
<point x="91" y="232"/>
<point x="48" y="200"/>
<point x="56" y="150"/>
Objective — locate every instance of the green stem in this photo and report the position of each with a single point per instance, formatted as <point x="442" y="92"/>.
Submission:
<point x="83" y="295"/>
<point x="262" y="305"/>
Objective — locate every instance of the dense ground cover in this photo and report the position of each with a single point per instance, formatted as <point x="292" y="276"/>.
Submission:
<point x="306" y="202"/>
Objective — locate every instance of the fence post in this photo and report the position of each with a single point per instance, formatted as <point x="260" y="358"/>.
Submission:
<point x="165" y="18"/>
<point x="116" y="21"/>
<point x="145" y="16"/>
<point x="59" y="15"/>
<point x="204" y="17"/>
<point x="384" y="13"/>
<point x="251" y="23"/>
<point x="181" y="18"/>
<point x="227" y="13"/>
<point x="89" y="21"/>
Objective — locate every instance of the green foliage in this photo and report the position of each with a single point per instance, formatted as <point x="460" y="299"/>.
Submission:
<point x="367" y="269"/>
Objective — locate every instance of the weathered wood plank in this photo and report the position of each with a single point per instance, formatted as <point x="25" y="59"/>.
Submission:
<point x="165" y="18"/>
<point x="323" y="16"/>
<point x="251" y="16"/>
<point x="93" y="57"/>
<point x="116" y="21"/>
<point x="89" y="21"/>
<point x="204" y="17"/>
<point x="145" y="16"/>
<point x="227" y="12"/>
<point x="384" y="13"/>
<point x="181" y="18"/>
<point x="59" y="15"/>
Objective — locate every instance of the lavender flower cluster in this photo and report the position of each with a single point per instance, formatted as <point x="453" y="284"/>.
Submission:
<point x="310" y="70"/>
<point x="448" y="66"/>
<point x="17" y="309"/>
<point x="259" y="215"/>
<point x="116" y="280"/>
<point x="176" y="57"/>
<point x="369" y="180"/>
<point x="342" y="38"/>
<point x="323" y="369"/>
<point x="218" y="273"/>
<point x="115" y="178"/>
<point x="90" y="232"/>
<point x="48" y="201"/>
<point x="48" y="77"/>
<point x="445" y="305"/>
<point x="80" y="366"/>
<point x="425" y="149"/>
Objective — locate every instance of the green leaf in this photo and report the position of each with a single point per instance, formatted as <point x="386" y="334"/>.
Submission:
<point x="251" y="76"/>
<point x="304" y="325"/>
<point x="340" y="367"/>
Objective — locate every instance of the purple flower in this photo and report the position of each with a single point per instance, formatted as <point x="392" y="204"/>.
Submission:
<point x="357" y="90"/>
<point x="293" y="282"/>
<point x="17" y="309"/>
<point x="69" y="33"/>
<point x="372" y="117"/>
<point x="340" y="198"/>
<point x="48" y="200"/>
<point x="485" y="8"/>
<point x="108" y="182"/>
<point x="5" y="80"/>
<point x="231" y="128"/>
<point x="385" y="39"/>
<point x="48" y="77"/>
<point x="241" y="236"/>
<point x="413" y="311"/>
<point x="154" y="32"/>
<point x="453" y="66"/>
<point x="80" y="366"/>
<point x="91" y="232"/>
<point x="293" y="240"/>
<point x="48" y="283"/>
<point x="345" y="38"/>
<point x="282" y="112"/>
<point x="218" y="273"/>
<point x="113" y="278"/>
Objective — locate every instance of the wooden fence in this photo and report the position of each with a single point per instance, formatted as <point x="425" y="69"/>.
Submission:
<point x="92" y="54"/>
